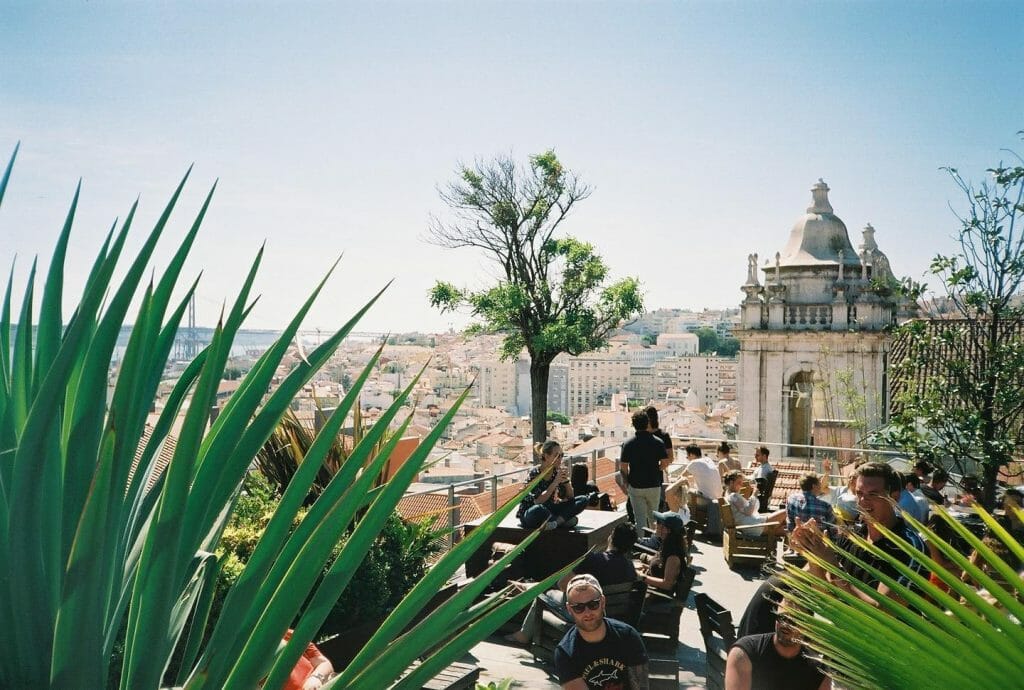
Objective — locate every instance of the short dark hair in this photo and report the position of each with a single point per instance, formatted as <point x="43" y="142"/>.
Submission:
<point x="911" y="478"/>
<point x="763" y="450"/>
<point x="652" y="415"/>
<point x="640" y="420"/>
<point x="623" y="537"/>
<point x="693" y="449"/>
<point x="886" y="472"/>
<point x="724" y="447"/>
<point x="809" y="481"/>
<point x="939" y="476"/>
<point x="923" y="466"/>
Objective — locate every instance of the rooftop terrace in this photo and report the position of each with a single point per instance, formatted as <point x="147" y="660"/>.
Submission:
<point x="731" y="588"/>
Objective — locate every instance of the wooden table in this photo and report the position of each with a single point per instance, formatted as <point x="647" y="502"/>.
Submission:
<point x="553" y="549"/>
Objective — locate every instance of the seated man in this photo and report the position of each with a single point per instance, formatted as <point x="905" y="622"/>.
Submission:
<point x="878" y="487"/>
<point x="933" y="490"/>
<point x="707" y="485"/>
<point x="806" y="505"/>
<point x="912" y="501"/>
<point x="598" y="652"/>
<point x="773" y="661"/>
<point x="611" y="567"/>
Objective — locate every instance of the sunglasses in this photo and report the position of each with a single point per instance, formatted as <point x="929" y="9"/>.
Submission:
<point x="592" y="605"/>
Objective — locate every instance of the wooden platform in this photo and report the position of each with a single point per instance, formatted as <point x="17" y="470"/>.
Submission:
<point x="458" y="676"/>
<point x="553" y="549"/>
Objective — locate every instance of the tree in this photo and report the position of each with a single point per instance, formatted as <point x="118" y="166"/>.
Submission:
<point x="707" y="339"/>
<point x="710" y="342"/>
<point x="551" y="294"/>
<point x="960" y="386"/>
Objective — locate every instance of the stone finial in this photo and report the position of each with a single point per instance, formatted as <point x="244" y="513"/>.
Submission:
<point x="840" y="253"/>
<point x="778" y="267"/>
<point x="819" y="193"/>
<point x="869" y="243"/>
<point x="752" y="269"/>
<point x="865" y="261"/>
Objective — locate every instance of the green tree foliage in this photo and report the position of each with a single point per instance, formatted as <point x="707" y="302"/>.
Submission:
<point x="558" y="417"/>
<point x="964" y="391"/>
<point x="711" y="343"/>
<point x="552" y="294"/>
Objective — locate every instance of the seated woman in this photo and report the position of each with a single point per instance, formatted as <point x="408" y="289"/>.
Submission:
<point x="744" y="508"/>
<point x="727" y="463"/>
<point x="551" y="502"/>
<point x="579" y="478"/>
<point x="666" y="567"/>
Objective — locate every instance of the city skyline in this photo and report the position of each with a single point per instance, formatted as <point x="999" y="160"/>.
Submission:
<point x="700" y="126"/>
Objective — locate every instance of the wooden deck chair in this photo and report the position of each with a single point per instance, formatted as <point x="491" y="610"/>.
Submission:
<point x="719" y="634"/>
<point x="739" y="545"/>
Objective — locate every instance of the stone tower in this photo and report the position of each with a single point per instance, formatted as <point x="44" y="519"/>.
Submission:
<point x="815" y="336"/>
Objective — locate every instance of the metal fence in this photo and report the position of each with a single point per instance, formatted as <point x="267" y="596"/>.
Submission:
<point x="492" y="482"/>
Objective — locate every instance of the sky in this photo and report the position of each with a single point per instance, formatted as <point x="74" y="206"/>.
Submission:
<point x="329" y="127"/>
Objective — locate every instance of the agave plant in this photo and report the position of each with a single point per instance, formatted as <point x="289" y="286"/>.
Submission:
<point x="91" y="555"/>
<point x="969" y="637"/>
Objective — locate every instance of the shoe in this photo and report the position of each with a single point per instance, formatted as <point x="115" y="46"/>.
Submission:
<point x="571" y="522"/>
<point x="552" y="524"/>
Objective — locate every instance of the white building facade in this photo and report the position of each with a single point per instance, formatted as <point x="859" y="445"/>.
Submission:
<point x="815" y="336"/>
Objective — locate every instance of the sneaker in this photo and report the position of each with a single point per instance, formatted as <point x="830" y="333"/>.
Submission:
<point x="571" y="522"/>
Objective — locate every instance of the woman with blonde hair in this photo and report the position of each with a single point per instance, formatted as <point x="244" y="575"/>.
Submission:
<point x="551" y="502"/>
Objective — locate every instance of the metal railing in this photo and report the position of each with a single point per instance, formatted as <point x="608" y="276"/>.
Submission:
<point x="491" y="482"/>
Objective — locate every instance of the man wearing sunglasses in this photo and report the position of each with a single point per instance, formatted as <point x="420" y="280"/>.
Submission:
<point x="773" y="661"/>
<point x="598" y="653"/>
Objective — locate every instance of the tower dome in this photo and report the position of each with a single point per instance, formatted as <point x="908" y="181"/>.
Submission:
<point x="819" y="236"/>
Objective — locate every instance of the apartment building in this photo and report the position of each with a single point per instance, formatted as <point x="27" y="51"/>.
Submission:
<point x="711" y="378"/>
<point x="593" y="378"/>
<point x="496" y="384"/>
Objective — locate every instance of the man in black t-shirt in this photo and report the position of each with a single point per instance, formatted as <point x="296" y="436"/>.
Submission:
<point x="652" y="426"/>
<point x="773" y="661"/>
<point x="642" y="460"/>
<point x="598" y="653"/>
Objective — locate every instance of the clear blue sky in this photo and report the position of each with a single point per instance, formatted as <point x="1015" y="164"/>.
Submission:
<point x="701" y="127"/>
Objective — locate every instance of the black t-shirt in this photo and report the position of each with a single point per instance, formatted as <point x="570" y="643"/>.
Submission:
<point x="602" y="665"/>
<point x="643" y="453"/>
<point x="932" y="494"/>
<point x="759" y="616"/>
<point x="770" y="671"/>
<point x="541" y="487"/>
<point x="609" y="567"/>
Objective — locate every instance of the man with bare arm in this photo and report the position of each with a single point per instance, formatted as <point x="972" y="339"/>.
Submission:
<point x="878" y="488"/>
<point x="598" y="653"/>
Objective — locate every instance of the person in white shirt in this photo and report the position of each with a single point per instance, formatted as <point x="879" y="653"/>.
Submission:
<point x="707" y="485"/>
<point x="704" y="472"/>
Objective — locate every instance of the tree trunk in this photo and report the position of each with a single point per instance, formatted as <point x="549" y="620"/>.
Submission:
<point x="539" y="371"/>
<point x="990" y="475"/>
